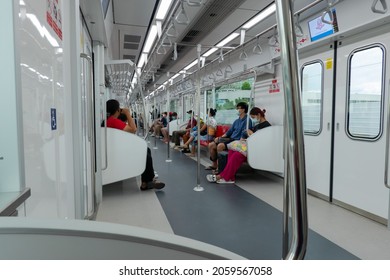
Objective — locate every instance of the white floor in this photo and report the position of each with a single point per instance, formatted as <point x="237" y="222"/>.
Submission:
<point x="124" y="203"/>
<point x="362" y="237"/>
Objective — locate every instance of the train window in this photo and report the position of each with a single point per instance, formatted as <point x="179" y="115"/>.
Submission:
<point x="173" y="105"/>
<point x="227" y="97"/>
<point x="365" y="93"/>
<point x="312" y="77"/>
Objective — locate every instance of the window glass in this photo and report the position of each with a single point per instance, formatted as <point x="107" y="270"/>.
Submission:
<point x="227" y="97"/>
<point x="365" y="93"/>
<point x="312" y="97"/>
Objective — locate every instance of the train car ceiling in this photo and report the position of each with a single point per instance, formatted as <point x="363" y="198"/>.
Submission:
<point x="128" y="24"/>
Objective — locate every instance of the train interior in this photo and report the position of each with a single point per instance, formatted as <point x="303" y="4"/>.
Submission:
<point x="319" y="175"/>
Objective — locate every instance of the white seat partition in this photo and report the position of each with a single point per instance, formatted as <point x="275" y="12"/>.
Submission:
<point x="265" y="149"/>
<point x="126" y="155"/>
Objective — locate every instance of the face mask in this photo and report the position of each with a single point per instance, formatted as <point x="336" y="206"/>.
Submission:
<point x="238" y="112"/>
<point x="255" y="121"/>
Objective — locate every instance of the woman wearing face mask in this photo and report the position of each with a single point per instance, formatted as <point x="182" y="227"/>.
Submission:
<point x="235" y="159"/>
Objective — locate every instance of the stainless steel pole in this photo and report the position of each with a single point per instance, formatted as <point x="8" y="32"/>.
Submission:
<point x="296" y="156"/>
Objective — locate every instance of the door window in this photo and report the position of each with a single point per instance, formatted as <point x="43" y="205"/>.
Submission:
<point x="311" y="98"/>
<point x="365" y="93"/>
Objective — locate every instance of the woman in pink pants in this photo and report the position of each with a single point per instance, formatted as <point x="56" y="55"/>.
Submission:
<point x="235" y="158"/>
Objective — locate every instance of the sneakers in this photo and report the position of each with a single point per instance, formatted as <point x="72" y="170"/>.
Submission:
<point x="222" y="181"/>
<point x="152" y="185"/>
<point x="213" y="179"/>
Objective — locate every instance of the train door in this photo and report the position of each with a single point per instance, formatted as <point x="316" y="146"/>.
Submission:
<point x="87" y="124"/>
<point x="361" y="123"/>
<point x="316" y="98"/>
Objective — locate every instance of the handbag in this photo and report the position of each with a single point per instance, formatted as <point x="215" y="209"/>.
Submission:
<point x="238" y="146"/>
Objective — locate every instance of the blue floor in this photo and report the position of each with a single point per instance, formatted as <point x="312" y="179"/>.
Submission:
<point x="227" y="216"/>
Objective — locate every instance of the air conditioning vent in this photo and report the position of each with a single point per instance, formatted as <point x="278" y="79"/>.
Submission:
<point x="131" y="57"/>
<point x="130" y="46"/>
<point x="132" y="38"/>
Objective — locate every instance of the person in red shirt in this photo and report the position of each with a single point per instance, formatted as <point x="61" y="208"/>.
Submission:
<point x="113" y="112"/>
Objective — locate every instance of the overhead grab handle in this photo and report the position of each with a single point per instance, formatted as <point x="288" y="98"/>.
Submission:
<point x="257" y="48"/>
<point x="243" y="56"/>
<point x="182" y="17"/>
<point x="328" y="11"/>
<point x="378" y="11"/>
<point x="298" y="27"/>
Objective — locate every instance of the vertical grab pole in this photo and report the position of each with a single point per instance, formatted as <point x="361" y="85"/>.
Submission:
<point x="198" y="187"/>
<point x="146" y="124"/>
<point x="91" y="138"/>
<point x="154" y="119"/>
<point x="168" y="111"/>
<point x="296" y="156"/>
<point x="105" y="133"/>
<point x="286" y="194"/>
<point x="250" y="105"/>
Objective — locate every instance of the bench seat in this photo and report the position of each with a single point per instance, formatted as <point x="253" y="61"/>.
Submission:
<point x="221" y="130"/>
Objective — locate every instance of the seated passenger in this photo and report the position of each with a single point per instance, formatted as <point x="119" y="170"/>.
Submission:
<point x="154" y="123"/>
<point x="165" y="130"/>
<point x="162" y="122"/>
<point x="186" y="132"/>
<point x="207" y="132"/>
<point x="235" y="132"/>
<point x="236" y="159"/>
<point x="113" y="112"/>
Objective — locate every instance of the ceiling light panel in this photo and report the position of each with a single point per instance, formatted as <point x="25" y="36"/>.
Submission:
<point x="163" y="9"/>
<point x="261" y="16"/>
<point x="150" y="40"/>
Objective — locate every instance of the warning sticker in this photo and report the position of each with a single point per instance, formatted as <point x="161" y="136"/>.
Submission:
<point x="274" y="87"/>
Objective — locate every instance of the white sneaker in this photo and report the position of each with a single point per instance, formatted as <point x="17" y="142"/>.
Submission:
<point x="211" y="178"/>
<point x="222" y="181"/>
<point x="155" y="175"/>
